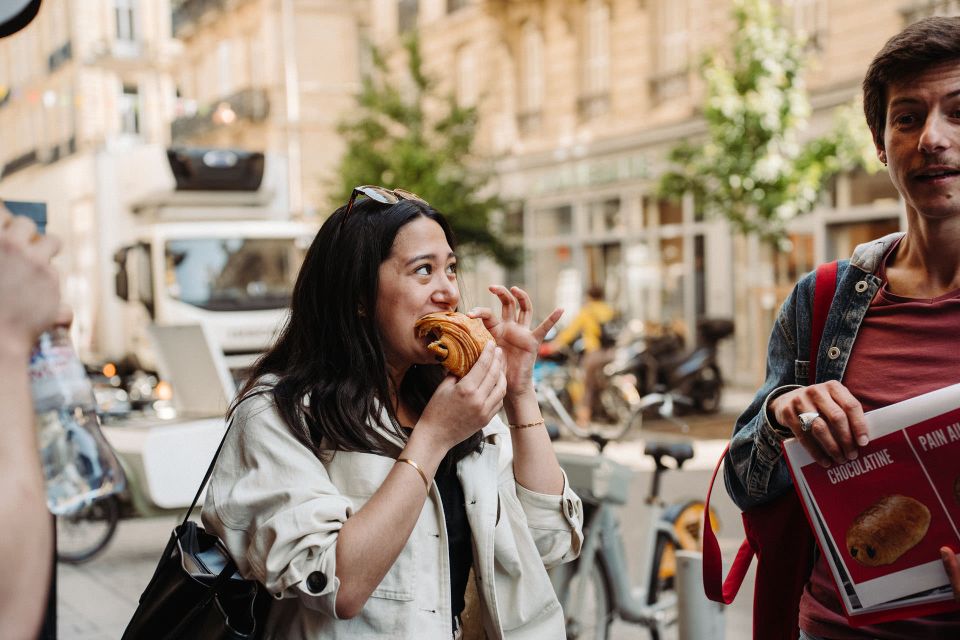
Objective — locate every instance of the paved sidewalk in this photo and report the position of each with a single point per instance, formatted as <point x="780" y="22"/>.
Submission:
<point x="97" y="599"/>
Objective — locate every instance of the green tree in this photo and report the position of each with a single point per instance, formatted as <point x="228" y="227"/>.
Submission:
<point x="409" y="136"/>
<point x="752" y="169"/>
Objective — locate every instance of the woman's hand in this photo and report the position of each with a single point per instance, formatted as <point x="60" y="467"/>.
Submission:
<point x="460" y="408"/>
<point x="838" y="428"/>
<point x="514" y="336"/>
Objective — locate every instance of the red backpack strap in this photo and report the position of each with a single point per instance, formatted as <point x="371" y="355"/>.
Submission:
<point x="823" y="292"/>
<point x="714" y="586"/>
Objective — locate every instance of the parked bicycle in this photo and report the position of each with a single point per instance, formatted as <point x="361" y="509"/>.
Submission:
<point x="558" y="384"/>
<point x="85" y="533"/>
<point x="596" y="589"/>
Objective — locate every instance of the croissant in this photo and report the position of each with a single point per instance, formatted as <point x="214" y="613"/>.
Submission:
<point x="457" y="339"/>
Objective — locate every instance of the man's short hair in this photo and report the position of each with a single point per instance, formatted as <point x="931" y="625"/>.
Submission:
<point x="921" y="45"/>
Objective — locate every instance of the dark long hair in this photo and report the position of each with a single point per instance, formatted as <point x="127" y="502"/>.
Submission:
<point x="329" y="360"/>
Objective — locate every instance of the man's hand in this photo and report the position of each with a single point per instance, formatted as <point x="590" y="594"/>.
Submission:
<point x="839" y="428"/>
<point x="29" y="286"/>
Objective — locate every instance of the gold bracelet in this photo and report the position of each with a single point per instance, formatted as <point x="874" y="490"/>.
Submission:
<point x="538" y="423"/>
<point x="426" y="483"/>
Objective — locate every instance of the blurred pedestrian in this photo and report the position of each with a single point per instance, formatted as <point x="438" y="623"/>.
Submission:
<point x="892" y="329"/>
<point x="29" y="304"/>
<point x="589" y="325"/>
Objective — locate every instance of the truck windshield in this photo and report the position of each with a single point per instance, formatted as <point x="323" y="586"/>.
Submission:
<point x="234" y="274"/>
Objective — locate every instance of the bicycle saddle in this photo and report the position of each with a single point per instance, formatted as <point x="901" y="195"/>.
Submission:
<point x="679" y="451"/>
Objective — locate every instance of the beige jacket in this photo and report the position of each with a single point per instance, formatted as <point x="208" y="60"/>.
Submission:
<point x="278" y="510"/>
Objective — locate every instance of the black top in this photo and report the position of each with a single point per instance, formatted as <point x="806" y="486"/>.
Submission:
<point x="460" y="545"/>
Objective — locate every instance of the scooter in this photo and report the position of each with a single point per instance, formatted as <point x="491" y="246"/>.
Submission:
<point x="670" y="380"/>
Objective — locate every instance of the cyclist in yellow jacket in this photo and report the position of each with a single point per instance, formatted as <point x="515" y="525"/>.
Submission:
<point x="588" y="325"/>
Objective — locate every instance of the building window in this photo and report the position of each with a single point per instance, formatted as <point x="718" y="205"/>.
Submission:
<point x="125" y="15"/>
<point x="407" y="15"/>
<point x="595" y="61"/>
<point x="808" y="20"/>
<point x="456" y="5"/>
<point x="130" y="110"/>
<point x="919" y="9"/>
<point x="466" y="76"/>
<point x="532" y="86"/>
<point x="672" y="49"/>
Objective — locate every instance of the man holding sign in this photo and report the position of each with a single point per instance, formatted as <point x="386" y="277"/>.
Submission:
<point x="891" y="333"/>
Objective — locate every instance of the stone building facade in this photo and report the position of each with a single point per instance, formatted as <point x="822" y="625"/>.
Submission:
<point x="580" y="100"/>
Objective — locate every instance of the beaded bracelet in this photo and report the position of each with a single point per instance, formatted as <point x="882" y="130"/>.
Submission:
<point x="538" y="423"/>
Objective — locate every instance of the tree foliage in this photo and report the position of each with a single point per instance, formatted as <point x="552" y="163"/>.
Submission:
<point x="753" y="169"/>
<point x="406" y="135"/>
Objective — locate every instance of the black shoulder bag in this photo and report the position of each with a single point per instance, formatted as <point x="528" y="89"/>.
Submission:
<point x="196" y="591"/>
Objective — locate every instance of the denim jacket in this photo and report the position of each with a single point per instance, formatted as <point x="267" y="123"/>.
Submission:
<point x="754" y="469"/>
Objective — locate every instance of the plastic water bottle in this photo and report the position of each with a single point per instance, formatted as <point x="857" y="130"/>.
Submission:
<point x="79" y="465"/>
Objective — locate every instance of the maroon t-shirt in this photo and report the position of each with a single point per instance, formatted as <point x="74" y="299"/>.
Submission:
<point x="905" y="347"/>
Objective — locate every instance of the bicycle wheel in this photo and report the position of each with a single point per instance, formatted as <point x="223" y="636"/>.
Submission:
<point x="83" y="534"/>
<point x="592" y="621"/>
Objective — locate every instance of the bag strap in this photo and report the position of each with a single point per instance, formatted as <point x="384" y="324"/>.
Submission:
<point x="714" y="586"/>
<point x="823" y="293"/>
<point x="206" y="476"/>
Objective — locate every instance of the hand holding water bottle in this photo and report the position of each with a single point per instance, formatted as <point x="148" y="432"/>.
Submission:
<point x="29" y="299"/>
<point x="78" y="464"/>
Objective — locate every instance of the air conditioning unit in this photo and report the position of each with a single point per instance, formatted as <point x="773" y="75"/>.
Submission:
<point x="216" y="169"/>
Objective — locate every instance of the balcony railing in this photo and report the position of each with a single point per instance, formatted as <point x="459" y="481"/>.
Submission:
<point x="59" y="56"/>
<point x="187" y="13"/>
<point x="593" y="105"/>
<point x="20" y="162"/>
<point x="252" y="105"/>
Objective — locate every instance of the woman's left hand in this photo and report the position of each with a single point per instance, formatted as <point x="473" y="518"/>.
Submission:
<point x="514" y="336"/>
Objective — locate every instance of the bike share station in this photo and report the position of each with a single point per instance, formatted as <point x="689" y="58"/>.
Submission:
<point x="597" y="588"/>
<point x="652" y="375"/>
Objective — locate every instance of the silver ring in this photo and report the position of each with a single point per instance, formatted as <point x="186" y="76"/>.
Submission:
<point x="806" y="420"/>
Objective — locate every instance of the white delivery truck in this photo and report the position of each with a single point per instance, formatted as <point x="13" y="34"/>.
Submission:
<point x="213" y="246"/>
<point x="202" y="259"/>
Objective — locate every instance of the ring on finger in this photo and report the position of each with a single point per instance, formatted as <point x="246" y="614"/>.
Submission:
<point x="806" y="420"/>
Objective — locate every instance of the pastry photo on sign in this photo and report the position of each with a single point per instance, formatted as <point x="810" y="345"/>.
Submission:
<point x="887" y="529"/>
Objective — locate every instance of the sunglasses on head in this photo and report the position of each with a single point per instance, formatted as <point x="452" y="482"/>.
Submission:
<point x="380" y="194"/>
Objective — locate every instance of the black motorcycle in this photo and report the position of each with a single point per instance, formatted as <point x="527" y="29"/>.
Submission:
<point x="657" y="372"/>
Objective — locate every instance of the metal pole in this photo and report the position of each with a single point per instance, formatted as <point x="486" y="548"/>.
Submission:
<point x="699" y="618"/>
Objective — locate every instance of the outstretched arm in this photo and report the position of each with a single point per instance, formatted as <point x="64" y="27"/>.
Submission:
<point x="29" y="298"/>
